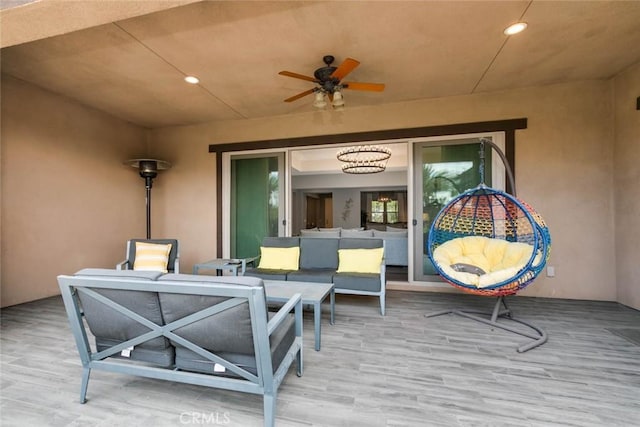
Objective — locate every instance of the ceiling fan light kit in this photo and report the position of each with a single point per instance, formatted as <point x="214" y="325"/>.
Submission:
<point x="329" y="83"/>
<point x="338" y="100"/>
<point x="320" y="101"/>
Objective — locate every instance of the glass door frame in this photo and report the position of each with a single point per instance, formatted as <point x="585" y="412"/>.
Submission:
<point x="508" y="126"/>
<point x="284" y="209"/>
<point x="498" y="179"/>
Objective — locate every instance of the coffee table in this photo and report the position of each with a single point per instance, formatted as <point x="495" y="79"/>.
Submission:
<point x="312" y="293"/>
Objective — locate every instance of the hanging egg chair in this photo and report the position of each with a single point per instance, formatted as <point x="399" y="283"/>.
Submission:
<point x="490" y="243"/>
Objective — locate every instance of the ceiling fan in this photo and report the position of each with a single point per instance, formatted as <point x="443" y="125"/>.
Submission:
<point x="329" y="79"/>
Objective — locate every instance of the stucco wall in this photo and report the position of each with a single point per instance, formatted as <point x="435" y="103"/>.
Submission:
<point x="68" y="203"/>
<point x="627" y="186"/>
<point x="564" y="163"/>
<point x="67" y="200"/>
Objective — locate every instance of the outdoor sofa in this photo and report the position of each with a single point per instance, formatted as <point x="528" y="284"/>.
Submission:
<point x="354" y="265"/>
<point x="203" y="330"/>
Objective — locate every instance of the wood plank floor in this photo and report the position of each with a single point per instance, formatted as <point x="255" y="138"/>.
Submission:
<point x="399" y="370"/>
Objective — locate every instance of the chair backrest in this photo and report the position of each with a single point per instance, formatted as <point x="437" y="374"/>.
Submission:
<point x="173" y="255"/>
<point x="281" y="242"/>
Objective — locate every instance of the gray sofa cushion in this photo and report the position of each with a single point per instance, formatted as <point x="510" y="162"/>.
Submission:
<point x="228" y="331"/>
<point x="396" y="251"/>
<point x="110" y="327"/>
<point x="357" y="281"/>
<point x="227" y="334"/>
<point x="267" y="274"/>
<point x="318" y="253"/>
<point x="318" y="275"/>
<point x="161" y="357"/>
<point x="280" y="341"/>
<point x="214" y="331"/>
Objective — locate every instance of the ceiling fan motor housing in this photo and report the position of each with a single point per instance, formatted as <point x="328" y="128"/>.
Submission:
<point x="323" y="75"/>
<point x="328" y="79"/>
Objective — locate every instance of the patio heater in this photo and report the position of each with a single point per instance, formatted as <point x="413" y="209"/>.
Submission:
<point x="148" y="169"/>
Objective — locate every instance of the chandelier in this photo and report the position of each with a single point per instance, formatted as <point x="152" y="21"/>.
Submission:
<point x="364" y="159"/>
<point x="385" y="197"/>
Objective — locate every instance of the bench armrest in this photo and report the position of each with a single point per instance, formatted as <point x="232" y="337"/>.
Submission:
<point x="123" y="265"/>
<point x="252" y="260"/>
<point x="294" y="303"/>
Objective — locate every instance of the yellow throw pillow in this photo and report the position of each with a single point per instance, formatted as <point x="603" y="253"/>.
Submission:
<point x="152" y="256"/>
<point x="279" y="258"/>
<point x="360" y="260"/>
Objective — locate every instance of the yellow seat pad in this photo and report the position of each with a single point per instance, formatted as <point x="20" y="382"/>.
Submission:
<point x="499" y="259"/>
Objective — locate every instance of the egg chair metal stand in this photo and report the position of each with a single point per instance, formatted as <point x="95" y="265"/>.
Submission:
<point x="493" y="214"/>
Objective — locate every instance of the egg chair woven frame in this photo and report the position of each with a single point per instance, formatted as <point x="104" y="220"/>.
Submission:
<point x="493" y="214"/>
<point x="487" y="212"/>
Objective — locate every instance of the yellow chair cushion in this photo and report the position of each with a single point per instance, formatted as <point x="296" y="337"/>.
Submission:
<point x="360" y="260"/>
<point x="152" y="256"/>
<point x="498" y="258"/>
<point x="279" y="258"/>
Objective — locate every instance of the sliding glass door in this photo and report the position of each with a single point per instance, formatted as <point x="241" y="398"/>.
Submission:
<point x="256" y="202"/>
<point x="256" y="193"/>
<point x="442" y="170"/>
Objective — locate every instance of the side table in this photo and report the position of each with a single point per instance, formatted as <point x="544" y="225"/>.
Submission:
<point x="222" y="264"/>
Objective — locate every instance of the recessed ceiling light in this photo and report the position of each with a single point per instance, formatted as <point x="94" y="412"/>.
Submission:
<point x="515" y="28"/>
<point x="192" y="79"/>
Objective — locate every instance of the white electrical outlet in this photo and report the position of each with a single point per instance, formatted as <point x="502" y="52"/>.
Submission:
<point x="551" y="271"/>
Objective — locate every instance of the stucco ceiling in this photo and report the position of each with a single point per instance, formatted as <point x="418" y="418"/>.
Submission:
<point x="129" y="58"/>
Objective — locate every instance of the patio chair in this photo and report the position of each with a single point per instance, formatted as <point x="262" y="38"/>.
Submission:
<point x="154" y="256"/>
<point x="490" y="243"/>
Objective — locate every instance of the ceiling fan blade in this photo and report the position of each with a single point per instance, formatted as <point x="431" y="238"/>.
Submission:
<point x="300" y="95"/>
<point x="297" y="76"/>
<point x="347" y="66"/>
<point x="374" y="87"/>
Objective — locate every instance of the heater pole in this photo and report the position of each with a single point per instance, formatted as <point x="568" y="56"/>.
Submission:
<point x="148" y="185"/>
